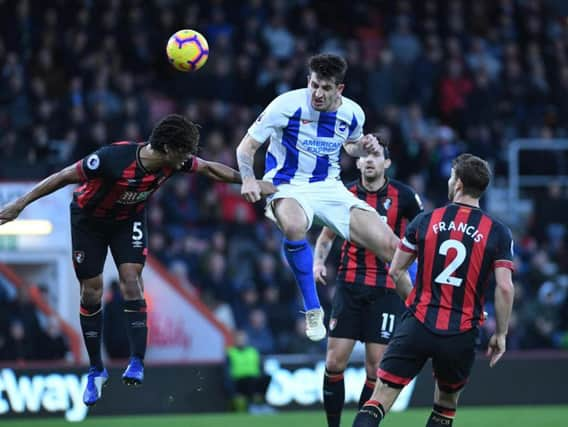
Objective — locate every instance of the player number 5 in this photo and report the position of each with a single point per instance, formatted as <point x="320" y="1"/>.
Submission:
<point x="445" y="277"/>
<point x="137" y="233"/>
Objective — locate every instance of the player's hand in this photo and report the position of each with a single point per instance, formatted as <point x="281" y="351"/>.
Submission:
<point x="320" y="273"/>
<point x="266" y="188"/>
<point x="10" y="212"/>
<point x="370" y="144"/>
<point x="250" y="190"/>
<point x="496" y="348"/>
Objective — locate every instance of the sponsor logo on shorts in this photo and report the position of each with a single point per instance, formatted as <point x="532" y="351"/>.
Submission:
<point x="332" y="324"/>
<point x="79" y="256"/>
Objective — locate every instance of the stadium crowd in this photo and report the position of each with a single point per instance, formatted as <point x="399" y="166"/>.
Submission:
<point x="441" y="77"/>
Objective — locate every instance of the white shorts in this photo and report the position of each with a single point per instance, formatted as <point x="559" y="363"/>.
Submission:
<point x="326" y="203"/>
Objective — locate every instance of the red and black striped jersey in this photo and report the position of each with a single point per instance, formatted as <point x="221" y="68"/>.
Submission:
<point x="116" y="185"/>
<point x="397" y="204"/>
<point x="457" y="248"/>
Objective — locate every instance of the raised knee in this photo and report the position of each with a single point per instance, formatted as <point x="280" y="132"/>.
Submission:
<point x="294" y="231"/>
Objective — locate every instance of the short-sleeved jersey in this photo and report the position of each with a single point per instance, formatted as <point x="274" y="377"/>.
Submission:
<point x="116" y="186"/>
<point x="457" y="247"/>
<point x="397" y="204"/>
<point x="305" y="144"/>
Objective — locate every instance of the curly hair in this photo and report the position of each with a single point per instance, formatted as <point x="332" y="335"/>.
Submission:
<point x="328" y="66"/>
<point x="177" y="132"/>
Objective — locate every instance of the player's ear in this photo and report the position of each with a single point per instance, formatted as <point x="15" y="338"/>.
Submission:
<point x="387" y="163"/>
<point x="458" y="186"/>
<point x="359" y="163"/>
<point x="340" y="88"/>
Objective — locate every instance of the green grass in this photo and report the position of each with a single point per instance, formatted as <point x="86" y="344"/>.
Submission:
<point x="521" y="416"/>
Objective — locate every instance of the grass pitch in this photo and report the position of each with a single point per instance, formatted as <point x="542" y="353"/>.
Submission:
<point x="514" y="416"/>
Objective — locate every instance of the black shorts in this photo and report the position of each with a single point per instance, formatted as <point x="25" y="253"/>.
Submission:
<point x="91" y="238"/>
<point x="364" y="313"/>
<point x="413" y="343"/>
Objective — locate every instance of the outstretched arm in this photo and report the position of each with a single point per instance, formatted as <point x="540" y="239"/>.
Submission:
<point x="365" y="145"/>
<point x="221" y="172"/>
<point x="217" y="171"/>
<point x="323" y="246"/>
<point x="245" y="159"/>
<point x="69" y="175"/>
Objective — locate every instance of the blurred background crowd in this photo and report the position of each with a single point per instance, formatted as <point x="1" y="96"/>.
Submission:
<point x="441" y="77"/>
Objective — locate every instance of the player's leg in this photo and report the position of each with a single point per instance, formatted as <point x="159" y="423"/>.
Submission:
<point x="452" y="367"/>
<point x="344" y="331"/>
<point x="337" y="356"/>
<point x="402" y="361"/>
<point x="366" y="229"/>
<point x="136" y="320"/>
<point x="129" y="248"/>
<point x="294" y="222"/>
<point x="444" y="409"/>
<point x="381" y="315"/>
<point x="89" y="253"/>
<point x="373" y="355"/>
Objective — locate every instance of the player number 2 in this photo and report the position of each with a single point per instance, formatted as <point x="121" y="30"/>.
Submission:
<point x="445" y="277"/>
<point x="388" y="322"/>
<point x="137" y="233"/>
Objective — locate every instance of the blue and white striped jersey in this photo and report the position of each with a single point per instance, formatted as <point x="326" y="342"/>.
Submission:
<point x="305" y="144"/>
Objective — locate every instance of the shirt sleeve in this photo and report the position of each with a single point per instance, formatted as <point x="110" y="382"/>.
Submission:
<point x="409" y="242"/>
<point x="356" y="126"/>
<point x="95" y="164"/>
<point x="505" y="249"/>
<point x="273" y="117"/>
<point x="190" y="165"/>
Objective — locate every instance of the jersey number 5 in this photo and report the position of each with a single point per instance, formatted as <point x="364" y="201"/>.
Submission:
<point x="445" y="277"/>
<point x="137" y="232"/>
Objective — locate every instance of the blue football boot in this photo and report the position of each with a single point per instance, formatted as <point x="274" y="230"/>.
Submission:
<point x="95" y="381"/>
<point x="134" y="372"/>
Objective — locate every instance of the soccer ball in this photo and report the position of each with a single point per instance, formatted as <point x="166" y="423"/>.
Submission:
<point x="187" y="50"/>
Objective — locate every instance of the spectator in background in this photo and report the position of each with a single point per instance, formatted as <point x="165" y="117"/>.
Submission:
<point x="245" y="380"/>
<point x="52" y="343"/>
<point x="260" y="335"/>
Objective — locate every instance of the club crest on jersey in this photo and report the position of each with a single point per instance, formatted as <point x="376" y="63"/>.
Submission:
<point x="332" y="324"/>
<point x="387" y="203"/>
<point x="79" y="256"/>
<point x="93" y="162"/>
<point x="342" y="126"/>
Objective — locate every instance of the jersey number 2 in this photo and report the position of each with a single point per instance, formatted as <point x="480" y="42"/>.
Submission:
<point x="445" y="277"/>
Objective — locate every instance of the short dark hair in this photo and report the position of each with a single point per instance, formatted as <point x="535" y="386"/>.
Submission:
<point x="176" y="132"/>
<point x="384" y="141"/>
<point x="328" y="66"/>
<point x="473" y="172"/>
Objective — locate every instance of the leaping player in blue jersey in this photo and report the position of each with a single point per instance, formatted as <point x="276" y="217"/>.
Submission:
<point x="307" y="128"/>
